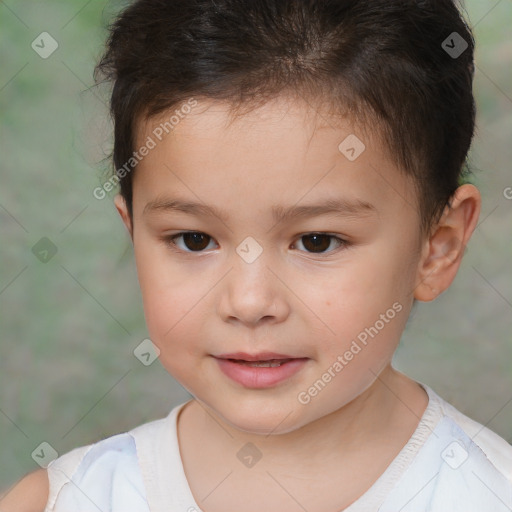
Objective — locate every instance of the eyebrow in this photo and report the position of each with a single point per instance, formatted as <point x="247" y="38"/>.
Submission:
<point x="331" y="206"/>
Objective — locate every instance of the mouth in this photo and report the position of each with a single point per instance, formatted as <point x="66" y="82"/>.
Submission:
<point x="261" y="370"/>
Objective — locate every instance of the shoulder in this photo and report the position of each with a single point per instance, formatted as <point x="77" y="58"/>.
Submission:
<point x="461" y="467"/>
<point x="496" y="449"/>
<point x="30" y="494"/>
<point x="105" y="473"/>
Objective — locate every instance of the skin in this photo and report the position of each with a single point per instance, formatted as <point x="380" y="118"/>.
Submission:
<point x="326" y="453"/>
<point x="30" y="494"/>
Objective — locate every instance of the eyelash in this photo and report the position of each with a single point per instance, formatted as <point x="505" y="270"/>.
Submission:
<point x="170" y="242"/>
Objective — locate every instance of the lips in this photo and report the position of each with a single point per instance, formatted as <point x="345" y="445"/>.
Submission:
<point x="262" y="370"/>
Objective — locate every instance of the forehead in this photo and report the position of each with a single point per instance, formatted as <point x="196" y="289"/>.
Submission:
<point x="285" y="117"/>
<point x="284" y="149"/>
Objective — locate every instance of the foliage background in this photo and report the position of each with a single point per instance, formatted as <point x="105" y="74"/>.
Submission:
<point x="68" y="375"/>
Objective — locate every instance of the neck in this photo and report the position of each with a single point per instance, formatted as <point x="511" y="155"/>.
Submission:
<point x="391" y="407"/>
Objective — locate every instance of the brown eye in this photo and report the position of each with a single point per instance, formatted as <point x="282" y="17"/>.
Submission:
<point x="318" y="243"/>
<point x="193" y="241"/>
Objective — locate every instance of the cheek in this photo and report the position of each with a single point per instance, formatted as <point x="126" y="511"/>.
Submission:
<point x="367" y="304"/>
<point x="172" y="322"/>
<point x="169" y="296"/>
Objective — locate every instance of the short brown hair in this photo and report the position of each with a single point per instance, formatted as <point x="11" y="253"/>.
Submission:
<point x="385" y="61"/>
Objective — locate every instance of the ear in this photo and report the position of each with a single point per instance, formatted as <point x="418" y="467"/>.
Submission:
<point x="443" y="250"/>
<point x="123" y="212"/>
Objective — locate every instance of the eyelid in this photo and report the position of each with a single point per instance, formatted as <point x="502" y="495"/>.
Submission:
<point x="343" y="243"/>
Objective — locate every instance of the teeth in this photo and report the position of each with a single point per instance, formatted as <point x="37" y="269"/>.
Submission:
<point x="262" y="364"/>
<point x="265" y="364"/>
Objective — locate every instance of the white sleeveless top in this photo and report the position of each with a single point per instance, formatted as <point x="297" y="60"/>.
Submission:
<point x="450" y="464"/>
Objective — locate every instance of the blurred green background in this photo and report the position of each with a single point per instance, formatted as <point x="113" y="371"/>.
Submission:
<point x="68" y="375"/>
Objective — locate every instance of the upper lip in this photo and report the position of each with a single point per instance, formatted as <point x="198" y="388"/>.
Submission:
<point x="261" y="356"/>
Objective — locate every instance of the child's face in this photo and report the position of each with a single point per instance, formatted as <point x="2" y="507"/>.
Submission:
<point x="302" y="298"/>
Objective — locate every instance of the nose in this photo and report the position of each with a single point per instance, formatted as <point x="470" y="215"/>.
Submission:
<point x="251" y="294"/>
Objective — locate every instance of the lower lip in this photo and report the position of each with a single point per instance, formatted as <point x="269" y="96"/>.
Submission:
<point x="259" y="377"/>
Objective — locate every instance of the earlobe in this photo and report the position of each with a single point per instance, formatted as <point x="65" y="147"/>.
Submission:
<point x="121" y="207"/>
<point x="443" y="251"/>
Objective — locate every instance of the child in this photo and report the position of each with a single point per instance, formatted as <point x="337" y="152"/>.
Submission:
<point x="313" y="150"/>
